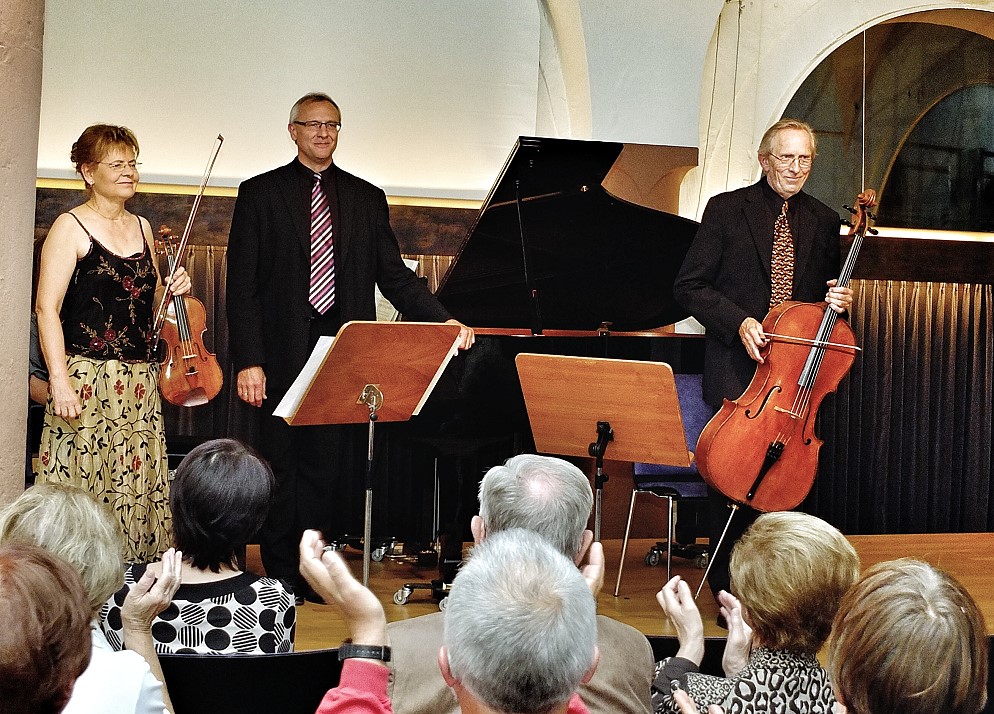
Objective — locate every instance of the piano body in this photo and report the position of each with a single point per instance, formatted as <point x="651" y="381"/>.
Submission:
<point x="574" y="252"/>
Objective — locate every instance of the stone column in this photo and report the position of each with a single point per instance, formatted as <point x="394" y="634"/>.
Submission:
<point x="21" y="29"/>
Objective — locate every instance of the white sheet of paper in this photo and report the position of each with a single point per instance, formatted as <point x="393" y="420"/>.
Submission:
<point x="291" y="400"/>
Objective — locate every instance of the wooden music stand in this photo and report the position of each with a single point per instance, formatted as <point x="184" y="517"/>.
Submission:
<point x="370" y="371"/>
<point x="631" y="404"/>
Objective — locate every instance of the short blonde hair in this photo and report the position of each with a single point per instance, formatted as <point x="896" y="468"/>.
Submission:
<point x="790" y="570"/>
<point x="909" y="638"/>
<point x="69" y="523"/>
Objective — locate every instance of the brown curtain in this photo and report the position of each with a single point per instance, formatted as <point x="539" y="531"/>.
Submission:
<point x="908" y="434"/>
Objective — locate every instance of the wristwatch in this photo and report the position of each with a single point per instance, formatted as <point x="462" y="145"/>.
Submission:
<point x="347" y="650"/>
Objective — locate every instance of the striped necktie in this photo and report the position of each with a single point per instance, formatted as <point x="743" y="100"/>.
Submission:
<point x="782" y="263"/>
<point x="322" y="290"/>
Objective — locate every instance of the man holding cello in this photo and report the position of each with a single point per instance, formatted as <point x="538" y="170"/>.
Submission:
<point x="757" y="246"/>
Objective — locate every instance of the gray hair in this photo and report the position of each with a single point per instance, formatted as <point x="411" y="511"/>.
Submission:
<point x="543" y="494"/>
<point x="307" y="99"/>
<point x="69" y="523"/>
<point x="766" y="143"/>
<point x="520" y="625"/>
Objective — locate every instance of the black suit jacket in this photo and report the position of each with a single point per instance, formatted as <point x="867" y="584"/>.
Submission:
<point x="725" y="277"/>
<point x="268" y="270"/>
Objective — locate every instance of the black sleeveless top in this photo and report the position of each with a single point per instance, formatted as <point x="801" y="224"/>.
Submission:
<point x="107" y="309"/>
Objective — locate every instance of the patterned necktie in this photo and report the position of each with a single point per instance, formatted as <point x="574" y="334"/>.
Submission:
<point x="782" y="264"/>
<point x="322" y="290"/>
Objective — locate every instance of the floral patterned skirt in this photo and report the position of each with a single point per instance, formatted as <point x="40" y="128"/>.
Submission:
<point x="116" y="449"/>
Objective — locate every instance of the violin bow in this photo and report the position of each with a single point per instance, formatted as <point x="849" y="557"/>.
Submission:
<point x="160" y="313"/>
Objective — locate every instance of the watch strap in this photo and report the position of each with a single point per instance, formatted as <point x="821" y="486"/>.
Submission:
<point x="347" y="650"/>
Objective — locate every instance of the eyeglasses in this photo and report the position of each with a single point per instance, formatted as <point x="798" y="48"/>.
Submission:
<point x="315" y="125"/>
<point x="803" y="161"/>
<point x="119" y="165"/>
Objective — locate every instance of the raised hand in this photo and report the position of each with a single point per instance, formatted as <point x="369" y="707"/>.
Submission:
<point x="678" y="603"/>
<point x="331" y="578"/>
<point x="151" y="594"/>
<point x="738" y="645"/>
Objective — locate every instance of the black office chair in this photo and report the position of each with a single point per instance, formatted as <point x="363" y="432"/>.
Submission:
<point x="673" y="483"/>
<point x="291" y="683"/>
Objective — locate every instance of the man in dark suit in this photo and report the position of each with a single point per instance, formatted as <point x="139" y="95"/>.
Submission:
<point x="308" y="243"/>
<point x="757" y="246"/>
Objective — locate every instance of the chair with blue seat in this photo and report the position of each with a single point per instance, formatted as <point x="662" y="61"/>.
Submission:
<point x="673" y="483"/>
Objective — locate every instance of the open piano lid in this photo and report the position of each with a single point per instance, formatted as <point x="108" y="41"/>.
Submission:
<point x="591" y="257"/>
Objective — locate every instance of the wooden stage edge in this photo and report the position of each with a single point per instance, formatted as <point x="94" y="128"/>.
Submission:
<point x="969" y="557"/>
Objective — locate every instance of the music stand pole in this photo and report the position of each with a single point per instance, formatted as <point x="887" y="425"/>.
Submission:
<point x="597" y="449"/>
<point x="372" y="397"/>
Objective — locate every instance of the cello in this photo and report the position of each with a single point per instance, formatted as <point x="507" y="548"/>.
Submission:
<point x="190" y="374"/>
<point x="761" y="450"/>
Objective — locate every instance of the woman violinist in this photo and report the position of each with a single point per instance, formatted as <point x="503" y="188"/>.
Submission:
<point x="96" y="292"/>
<point x="757" y="246"/>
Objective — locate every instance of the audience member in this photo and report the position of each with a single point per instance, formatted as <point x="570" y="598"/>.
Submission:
<point x="44" y="630"/>
<point x="553" y="498"/>
<point x="790" y="571"/>
<point x="520" y="630"/>
<point x="219" y="500"/>
<point x="908" y="639"/>
<point x="69" y="523"/>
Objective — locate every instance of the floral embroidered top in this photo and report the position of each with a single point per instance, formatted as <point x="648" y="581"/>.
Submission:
<point x="107" y="309"/>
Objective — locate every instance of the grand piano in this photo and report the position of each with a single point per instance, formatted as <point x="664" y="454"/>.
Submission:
<point x="562" y="244"/>
<point x="574" y="251"/>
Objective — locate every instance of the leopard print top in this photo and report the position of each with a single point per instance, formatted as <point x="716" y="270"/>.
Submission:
<point x="773" y="681"/>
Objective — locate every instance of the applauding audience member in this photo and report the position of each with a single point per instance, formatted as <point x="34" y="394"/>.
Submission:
<point x="908" y="639"/>
<point x="790" y="570"/>
<point x="219" y="500"/>
<point x="553" y="498"/>
<point x="44" y="630"/>
<point x="70" y="524"/>
<point x="520" y="630"/>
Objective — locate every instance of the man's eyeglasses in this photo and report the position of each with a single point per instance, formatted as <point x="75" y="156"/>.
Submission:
<point x="315" y="125"/>
<point x="119" y="165"/>
<point x="803" y="161"/>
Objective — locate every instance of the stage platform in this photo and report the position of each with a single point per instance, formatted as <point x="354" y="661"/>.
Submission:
<point x="967" y="556"/>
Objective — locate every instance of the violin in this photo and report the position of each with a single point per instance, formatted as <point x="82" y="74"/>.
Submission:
<point x="761" y="450"/>
<point x="190" y="373"/>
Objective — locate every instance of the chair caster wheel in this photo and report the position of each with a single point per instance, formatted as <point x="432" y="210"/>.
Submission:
<point x="652" y="558"/>
<point x="401" y="596"/>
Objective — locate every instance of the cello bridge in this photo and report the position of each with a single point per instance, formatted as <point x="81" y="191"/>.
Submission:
<point x="788" y="412"/>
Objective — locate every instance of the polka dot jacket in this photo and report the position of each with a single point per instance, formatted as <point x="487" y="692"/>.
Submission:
<point x="244" y="614"/>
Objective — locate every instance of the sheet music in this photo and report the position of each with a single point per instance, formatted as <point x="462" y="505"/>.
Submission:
<point x="385" y="311"/>
<point x="291" y="400"/>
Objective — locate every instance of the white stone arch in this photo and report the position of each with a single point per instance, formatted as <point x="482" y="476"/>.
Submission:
<point x="760" y="53"/>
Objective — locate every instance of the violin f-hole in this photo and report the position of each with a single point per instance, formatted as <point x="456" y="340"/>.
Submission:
<point x="766" y="400"/>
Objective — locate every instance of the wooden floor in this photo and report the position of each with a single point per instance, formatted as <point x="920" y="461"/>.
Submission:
<point x="967" y="556"/>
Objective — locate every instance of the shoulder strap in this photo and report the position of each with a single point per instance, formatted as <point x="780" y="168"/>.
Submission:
<point x="88" y="234"/>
